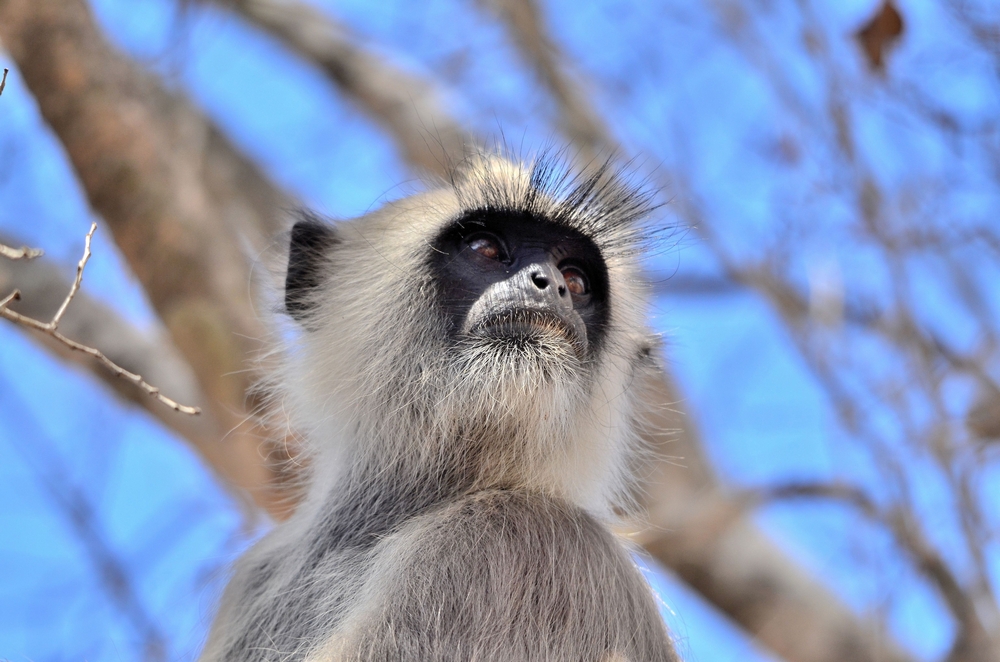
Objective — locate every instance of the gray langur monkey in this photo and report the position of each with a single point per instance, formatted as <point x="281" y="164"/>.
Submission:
<point x="463" y="383"/>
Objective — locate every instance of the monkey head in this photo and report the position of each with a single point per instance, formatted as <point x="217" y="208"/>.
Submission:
<point x="503" y="314"/>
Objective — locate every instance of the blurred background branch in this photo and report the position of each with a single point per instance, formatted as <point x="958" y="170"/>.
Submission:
<point x="183" y="204"/>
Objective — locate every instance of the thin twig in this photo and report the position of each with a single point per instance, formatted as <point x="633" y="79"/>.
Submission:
<point x="22" y="253"/>
<point x="75" y="287"/>
<point x="13" y="296"/>
<point x="51" y="328"/>
<point x="3" y="83"/>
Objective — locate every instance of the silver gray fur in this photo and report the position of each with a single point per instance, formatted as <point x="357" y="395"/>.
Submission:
<point x="458" y="498"/>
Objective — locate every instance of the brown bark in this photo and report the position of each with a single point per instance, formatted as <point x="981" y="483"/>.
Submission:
<point x="704" y="535"/>
<point x="576" y="117"/>
<point x="178" y="199"/>
<point x="410" y="109"/>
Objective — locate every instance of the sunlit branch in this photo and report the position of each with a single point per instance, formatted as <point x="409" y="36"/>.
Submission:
<point x="142" y="154"/>
<point x="51" y="328"/>
<point x="22" y="253"/>
<point x="411" y="108"/>
<point x="577" y="118"/>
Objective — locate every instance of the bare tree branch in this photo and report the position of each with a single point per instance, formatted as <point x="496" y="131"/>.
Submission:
<point x="22" y="253"/>
<point x="51" y="328"/>
<point x="703" y="534"/>
<point x="150" y="353"/>
<point x="576" y="118"/>
<point x="976" y="642"/>
<point x="409" y="108"/>
<point x="13" y="296"/>
<point x="43" y="287"/>
<point x="184" y="206"/>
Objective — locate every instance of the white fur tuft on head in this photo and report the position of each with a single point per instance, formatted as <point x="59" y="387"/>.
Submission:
<point x="600" y="203"/>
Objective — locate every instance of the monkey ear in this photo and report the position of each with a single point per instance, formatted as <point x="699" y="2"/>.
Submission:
<point x="651" y="351"/>
<point x="311" y="240"/>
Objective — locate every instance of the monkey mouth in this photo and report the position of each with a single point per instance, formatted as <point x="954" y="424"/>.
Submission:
<point x="528" y="325"/>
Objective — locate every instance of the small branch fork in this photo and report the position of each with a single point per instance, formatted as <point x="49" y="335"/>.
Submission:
<point x="51" y="328"/>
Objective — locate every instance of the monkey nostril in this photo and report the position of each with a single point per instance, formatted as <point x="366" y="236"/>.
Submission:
<point x="540" y="281"/>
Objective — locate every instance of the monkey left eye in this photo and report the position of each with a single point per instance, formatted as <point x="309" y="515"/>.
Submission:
<point x="486" y="246"/>
<point x="576" y="281"/>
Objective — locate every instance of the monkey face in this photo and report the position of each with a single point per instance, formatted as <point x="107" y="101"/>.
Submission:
<point x="505" y="304"/>
<point x="501" y="317"/>
<point x="517" y="282"/>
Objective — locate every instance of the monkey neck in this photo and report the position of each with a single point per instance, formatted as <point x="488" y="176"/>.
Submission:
<point x="372" y="499"/>
<point x="379" y="487"/>
<point x="423" y="449"/>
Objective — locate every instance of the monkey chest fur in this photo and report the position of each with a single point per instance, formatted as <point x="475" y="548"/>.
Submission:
<point x="495" y="575"/>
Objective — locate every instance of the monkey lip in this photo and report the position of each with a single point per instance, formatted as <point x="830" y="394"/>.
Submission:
<point x="523" y="324"/>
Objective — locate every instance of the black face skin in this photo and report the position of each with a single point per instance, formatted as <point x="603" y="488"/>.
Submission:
<point x="513" y="276"/>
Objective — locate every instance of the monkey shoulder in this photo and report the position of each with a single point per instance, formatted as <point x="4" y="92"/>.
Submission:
<point x="284" y="573"/>
<point x="504" y="574"/>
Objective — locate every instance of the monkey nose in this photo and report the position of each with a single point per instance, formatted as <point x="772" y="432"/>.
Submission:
<point x="543" y="278"/>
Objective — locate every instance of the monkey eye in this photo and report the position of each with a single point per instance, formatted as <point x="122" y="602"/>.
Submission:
<point x="576" y="281"/>
<point x="486" y="245"/>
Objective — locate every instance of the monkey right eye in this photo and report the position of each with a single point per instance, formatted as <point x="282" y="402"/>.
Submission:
<point x="486" y="246"/>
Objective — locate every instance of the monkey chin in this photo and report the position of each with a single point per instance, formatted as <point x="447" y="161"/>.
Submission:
<point x="530" y="374"/>
<point x="528" y="355"/>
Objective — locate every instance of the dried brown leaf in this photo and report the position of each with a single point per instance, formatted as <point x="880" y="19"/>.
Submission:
<point x="880" y="34"/>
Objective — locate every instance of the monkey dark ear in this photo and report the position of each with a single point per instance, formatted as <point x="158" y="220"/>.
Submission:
<point x="311" y="240"/>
